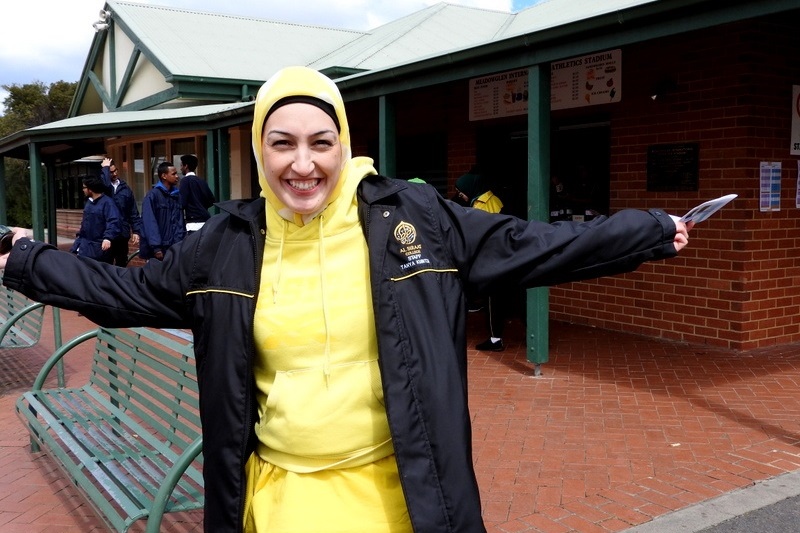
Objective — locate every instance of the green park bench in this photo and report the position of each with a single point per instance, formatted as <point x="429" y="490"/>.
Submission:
<point x="21" y="319"/>
<point x="130" y="438"/>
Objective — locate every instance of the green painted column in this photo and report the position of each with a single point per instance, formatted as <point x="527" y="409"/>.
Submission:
<point x="538" y="309"/>
<point x="3" y="198"/>
<point x="39" y="214"/>
<point x="50" y="211"/>
<point x="387" y="137"/>
<point x="211" y="162"/>
<point x="223" y="191"/>
<point x="52" y="238"/>
<point x="37" y="188"/>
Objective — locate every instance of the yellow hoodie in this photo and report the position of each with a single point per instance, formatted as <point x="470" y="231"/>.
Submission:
<point x="319" y="389"/>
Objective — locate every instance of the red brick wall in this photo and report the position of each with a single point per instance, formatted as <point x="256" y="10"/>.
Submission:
<point x="736" y="285"/>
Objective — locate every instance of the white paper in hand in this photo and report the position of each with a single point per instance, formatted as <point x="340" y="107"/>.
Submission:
<point x="706" y="209"/>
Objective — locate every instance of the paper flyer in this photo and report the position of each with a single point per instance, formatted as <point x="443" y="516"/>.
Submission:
<point x="701" y="212"/>
<point x="770" y="186"/>
<point x="797" y="193"/>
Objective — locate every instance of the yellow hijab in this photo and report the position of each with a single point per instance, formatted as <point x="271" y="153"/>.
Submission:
<point x="297" y="81"/>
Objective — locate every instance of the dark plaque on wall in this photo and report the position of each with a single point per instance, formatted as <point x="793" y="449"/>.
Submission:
<point x="672" y="167"/>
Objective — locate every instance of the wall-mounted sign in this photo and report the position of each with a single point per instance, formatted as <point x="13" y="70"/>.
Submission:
<point x="672" y="167"/>
<point x="592" y="79"/>
<point x="498" y="95"/>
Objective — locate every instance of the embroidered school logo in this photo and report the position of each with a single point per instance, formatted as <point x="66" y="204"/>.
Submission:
<point x="405" y="233"/>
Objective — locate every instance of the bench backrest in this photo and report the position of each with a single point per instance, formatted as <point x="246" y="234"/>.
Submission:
<point x="151" y="376"/>
<point x="20" y="319"/>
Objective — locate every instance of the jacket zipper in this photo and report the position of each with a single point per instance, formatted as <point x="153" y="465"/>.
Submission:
<point x="254" y="232"/>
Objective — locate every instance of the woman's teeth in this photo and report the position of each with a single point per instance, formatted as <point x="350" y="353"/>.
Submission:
<point x="304" y="185"/>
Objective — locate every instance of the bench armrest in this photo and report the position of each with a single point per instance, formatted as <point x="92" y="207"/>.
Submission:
<point x="16" y="316"/>
<point x="58" y="355"/>
<point x="170" y="481"/>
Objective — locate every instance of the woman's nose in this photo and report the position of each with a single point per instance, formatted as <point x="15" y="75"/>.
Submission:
<point x="303" y="162"/>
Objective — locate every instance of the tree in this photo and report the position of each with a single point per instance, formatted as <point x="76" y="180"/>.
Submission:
<point x="29" y="105"/>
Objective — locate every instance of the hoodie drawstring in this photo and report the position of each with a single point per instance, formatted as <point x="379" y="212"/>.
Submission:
<point x="326" y="365"/>
<point x="277" y="276"/>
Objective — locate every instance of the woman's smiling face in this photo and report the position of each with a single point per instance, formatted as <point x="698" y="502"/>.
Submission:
<point x="302" y="156"/>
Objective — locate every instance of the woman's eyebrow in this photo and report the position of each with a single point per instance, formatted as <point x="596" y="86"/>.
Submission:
<point x="281" y="132"/>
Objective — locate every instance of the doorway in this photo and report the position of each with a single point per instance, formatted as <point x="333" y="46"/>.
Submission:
<point x="580" y="175"/>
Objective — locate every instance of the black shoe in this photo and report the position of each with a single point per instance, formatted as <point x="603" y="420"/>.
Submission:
<point x="489" y="346"/>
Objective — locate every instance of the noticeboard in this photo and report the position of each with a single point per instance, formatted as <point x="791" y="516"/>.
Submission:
<point x="673" y="167"/>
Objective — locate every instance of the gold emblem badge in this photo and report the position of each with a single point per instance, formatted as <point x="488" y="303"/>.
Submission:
<point x="405" y="233"/>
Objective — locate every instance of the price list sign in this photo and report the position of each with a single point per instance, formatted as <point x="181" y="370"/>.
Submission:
<point x="498" y="95"/>
<point x="587" y="80"/>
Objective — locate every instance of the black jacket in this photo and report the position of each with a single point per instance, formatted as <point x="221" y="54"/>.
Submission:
<point x="424" y="253"/>
<point x="196" y="198"/>
<point x="126" y="203"/>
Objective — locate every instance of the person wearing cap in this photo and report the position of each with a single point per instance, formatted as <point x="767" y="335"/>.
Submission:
<point x="473" y="190"/>
<point x="100" y="225"/>
<point x="328" y="319"/>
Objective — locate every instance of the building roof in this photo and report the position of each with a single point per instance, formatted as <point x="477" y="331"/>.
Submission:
<point x="434" y="30"/>
<point x="125" y="119"/>
<point x="553" y="13"/>
<point x="201" y="44"/>
<point x="211" y="57"/>
<point x="214" y="45"/>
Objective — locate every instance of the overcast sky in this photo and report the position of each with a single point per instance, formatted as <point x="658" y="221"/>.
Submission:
<point x="49" y="40"/>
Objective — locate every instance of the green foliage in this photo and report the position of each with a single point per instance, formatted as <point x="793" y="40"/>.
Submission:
<point x="29" y="105"/>
<point x="18" y="193"/>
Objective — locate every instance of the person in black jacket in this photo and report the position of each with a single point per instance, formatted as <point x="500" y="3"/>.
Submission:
<point x="196" y="196"/>
<point x="329" y="323"/>
<point x="122" y="195"/>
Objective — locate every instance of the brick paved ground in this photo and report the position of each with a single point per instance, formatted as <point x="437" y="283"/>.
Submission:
<point x="619" y="429"/>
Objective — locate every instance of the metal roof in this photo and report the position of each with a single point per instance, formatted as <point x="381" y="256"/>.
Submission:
<point x="552" y="13"/>
<point x="214" y="45"/>
<point x="200" y="44"/>
<point x="434" y="30"/>
<point x="70" y="134"/>
<point x="125" y="118"/>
